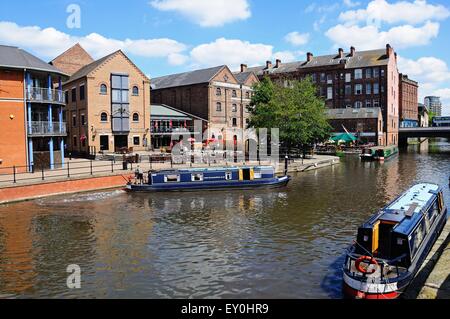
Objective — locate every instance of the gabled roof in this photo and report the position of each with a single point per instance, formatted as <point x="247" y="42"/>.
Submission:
<point x="88" y="69"/>
<point x="242" y="77"/>
<point x="187" y="78"/>
<point x="72" y="60"/>
<point x="16" y="58"/>
<point x="360" y="59"/>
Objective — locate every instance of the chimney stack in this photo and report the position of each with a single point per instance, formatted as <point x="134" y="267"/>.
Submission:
<point x="389" y="50"/>
<point x="309" y="56"/>
<point x="341" y="53"/>
<point x="243" y="68"/>
<point x="268" y="64"/>
<point x="278" y="63"/>
<point x="352" y="51"/>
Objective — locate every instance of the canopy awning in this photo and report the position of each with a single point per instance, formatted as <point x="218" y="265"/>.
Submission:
<point x="345" y="137"/>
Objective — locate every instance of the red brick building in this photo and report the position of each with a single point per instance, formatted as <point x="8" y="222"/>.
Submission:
<point x="409" y="102"/>
<point x="356" y="79"/>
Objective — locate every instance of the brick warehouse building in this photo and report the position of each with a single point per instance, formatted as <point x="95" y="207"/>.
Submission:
<point x="409" y="102"/>
<point x="108" y="103"/>
<point x="214" y="94"/>
<point x="31" y="112"/>
<point x="365" y="79"/>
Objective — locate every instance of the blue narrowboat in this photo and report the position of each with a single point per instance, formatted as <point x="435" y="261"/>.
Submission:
<point x="209" y="179"/>
<point x="391" y="247"/>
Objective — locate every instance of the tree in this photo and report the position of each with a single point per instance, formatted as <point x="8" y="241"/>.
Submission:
<point x="295" y="109"/>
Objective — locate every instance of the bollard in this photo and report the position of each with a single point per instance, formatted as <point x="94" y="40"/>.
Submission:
<point x="68" y="169"/>
<point x="42" y="171"/>
<point x="14" y="172"/>
<point x="92" y="172"/>
<point x="112" y="166"/>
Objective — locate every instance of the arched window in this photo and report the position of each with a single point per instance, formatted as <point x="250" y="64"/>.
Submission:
<point x="104" y="117"/>
<point x="135" y="117"/>
<point x="234" y="94"/>
<point x="103" y="89"/>
<point x="219" y="107"/>
<point x="247" y="95"/>
<point x="218" y="92"/>
<point x="135" y="90"/>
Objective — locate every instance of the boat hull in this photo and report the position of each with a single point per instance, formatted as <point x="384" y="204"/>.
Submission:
<point x="217" y="186"/>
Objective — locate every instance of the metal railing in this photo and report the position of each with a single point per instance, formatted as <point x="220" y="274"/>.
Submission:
<point x="47" y="129"/>
<point x="35" y="94"/>
<point x="168" y="130"/>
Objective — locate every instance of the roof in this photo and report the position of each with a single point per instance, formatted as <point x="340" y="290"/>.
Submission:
<point x="187" y="78"/>
<point x="84" y="71"/>
<point x="350" y="113"/>
<point x="72" y="60"/>
<point x="16" y="58"/>
<point x="360" y="59"/>
<point x="242" y="77"/>
<point x="162" y="111"/>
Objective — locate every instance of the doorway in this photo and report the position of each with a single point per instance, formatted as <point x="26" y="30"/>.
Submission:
<point x="120" y="142"/>
<point x="104" y="143"/>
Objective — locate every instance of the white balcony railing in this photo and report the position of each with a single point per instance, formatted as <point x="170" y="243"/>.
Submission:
<point x="47" y="129"/>
<point x="45" y="95"/>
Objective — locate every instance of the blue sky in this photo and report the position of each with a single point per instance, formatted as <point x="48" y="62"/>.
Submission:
<point x="169" y="36"/>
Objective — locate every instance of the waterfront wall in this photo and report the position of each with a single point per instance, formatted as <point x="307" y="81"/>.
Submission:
<point x="28" y="192"/>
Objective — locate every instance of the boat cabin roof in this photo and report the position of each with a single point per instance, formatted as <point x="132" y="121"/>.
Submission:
<point x="407" y="209"/>
<point x="214" y="170"/>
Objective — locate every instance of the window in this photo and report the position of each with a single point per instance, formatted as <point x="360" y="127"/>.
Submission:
<point x="228" y="176"/>
<point x="83" y="142"/>
<point x="74" y="120"/>
<point x="234" y="108"/>
<point x="348" y="77"/>
<point x="83" y="120"/>
<point x="75" y="141"/>
<point x="135" y="91"/>
<point x="330" y="93"/>
<point x="197" y="177"/>
<point x="322" y="77"/>
<point x="358" y="104"/>
<point x="348" y="90"/>
<point x="74" y="95"/>
<point x="82" y="93"/>
<point x="120" y="115"/>
<point x="234" y="122"/>
<point x="135" y="117"/>
<point x="376" y="72"/>
<point x="376" y="103"/>
<point x="136" y="140"/>
<point x="218" y="92"/>
<point x="234" y="93"/>
<point x="358" y="89"/>
<point x="368" y="88"/>
<point x="376" y="88"/>
<point x="219" y="107"/>
<point x="368" y="103"/>
<point x="382" y="72"/>
<point x="358" y="74"/>
<point x="66" y="96"/>
<point x="171" y="178"/>
<point x="104" y="117"/>
<point x="368" y="73"/>
<point x="314" y="77"/>
<point x="103" y="89"/>
<point x="330" y="79"/>
<point x="247" y="95"/>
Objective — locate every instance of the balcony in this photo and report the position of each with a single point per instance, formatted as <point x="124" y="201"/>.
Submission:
<point x="174" y="130"/>
<point x="46" y="129"/>
<point x="41" y="95"/>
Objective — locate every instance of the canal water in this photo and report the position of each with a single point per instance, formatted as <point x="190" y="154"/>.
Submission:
<point x="286" y="243"/>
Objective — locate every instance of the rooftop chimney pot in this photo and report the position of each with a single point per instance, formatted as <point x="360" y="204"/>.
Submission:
<point x="243" y="68"/>
<point x="268" y="64"/>
<point x="352" y="51"/>
<point x="278" y="63"/>
<point x="309" y="56"/>
<point x="341" y="53"/>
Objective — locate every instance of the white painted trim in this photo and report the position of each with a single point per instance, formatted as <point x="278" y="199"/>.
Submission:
<point x="371" y="288"/>
<point x="227" y="85"/>
<point x="12" y="100"/>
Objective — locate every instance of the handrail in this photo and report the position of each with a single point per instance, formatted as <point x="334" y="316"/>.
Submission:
<point x="38" y="94"/>
<point x="47" y="128"/>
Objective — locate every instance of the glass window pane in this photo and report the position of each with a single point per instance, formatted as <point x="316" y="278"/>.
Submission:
<point x="115" y="82"/>
<point x="116" y="96"/>
<point x="125" y="82"/>
<point x="124" y="97"/>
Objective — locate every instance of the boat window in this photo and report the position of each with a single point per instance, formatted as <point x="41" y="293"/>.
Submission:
<point x="228" y="176"/>
<point x="197" y="177"/>
<point x="258" y="175"/>
<point x="171" y="178"/>
<point x="418" y="237"/>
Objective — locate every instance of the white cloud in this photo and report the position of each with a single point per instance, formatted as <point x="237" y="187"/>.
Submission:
<point x="50" y="42"/>
<point x="413" y="13"/>
<point x="231" y="53"/>
<point x="287" y="56"/>
<point x="351" y="4"/>
<point x="370" y="36"/>
<point x="177" y="59"/>
<point x="207" y="13"/>
<point x="297" y="38"/>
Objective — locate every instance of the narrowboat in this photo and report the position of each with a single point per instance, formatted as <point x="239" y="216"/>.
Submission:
<point x="209" y="179"/>
<point x="379" y="153"/>
<point x="391" y="246"/>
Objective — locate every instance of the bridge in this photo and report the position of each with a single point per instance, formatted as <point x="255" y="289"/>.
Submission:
<point x="423" y="132"/>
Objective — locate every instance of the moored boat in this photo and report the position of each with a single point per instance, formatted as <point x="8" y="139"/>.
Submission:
<point x="209" y="179"/>
<point x="391" y="246"/>
<point x="380" y="154"/>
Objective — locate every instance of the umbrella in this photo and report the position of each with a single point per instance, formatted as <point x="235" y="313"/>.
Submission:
<point x="344" y="137"/>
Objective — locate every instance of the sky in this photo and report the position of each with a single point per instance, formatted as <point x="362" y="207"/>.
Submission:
<point x="169" y="36"/>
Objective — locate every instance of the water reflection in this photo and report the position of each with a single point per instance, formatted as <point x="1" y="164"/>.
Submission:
<point x="286" y="243"/>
